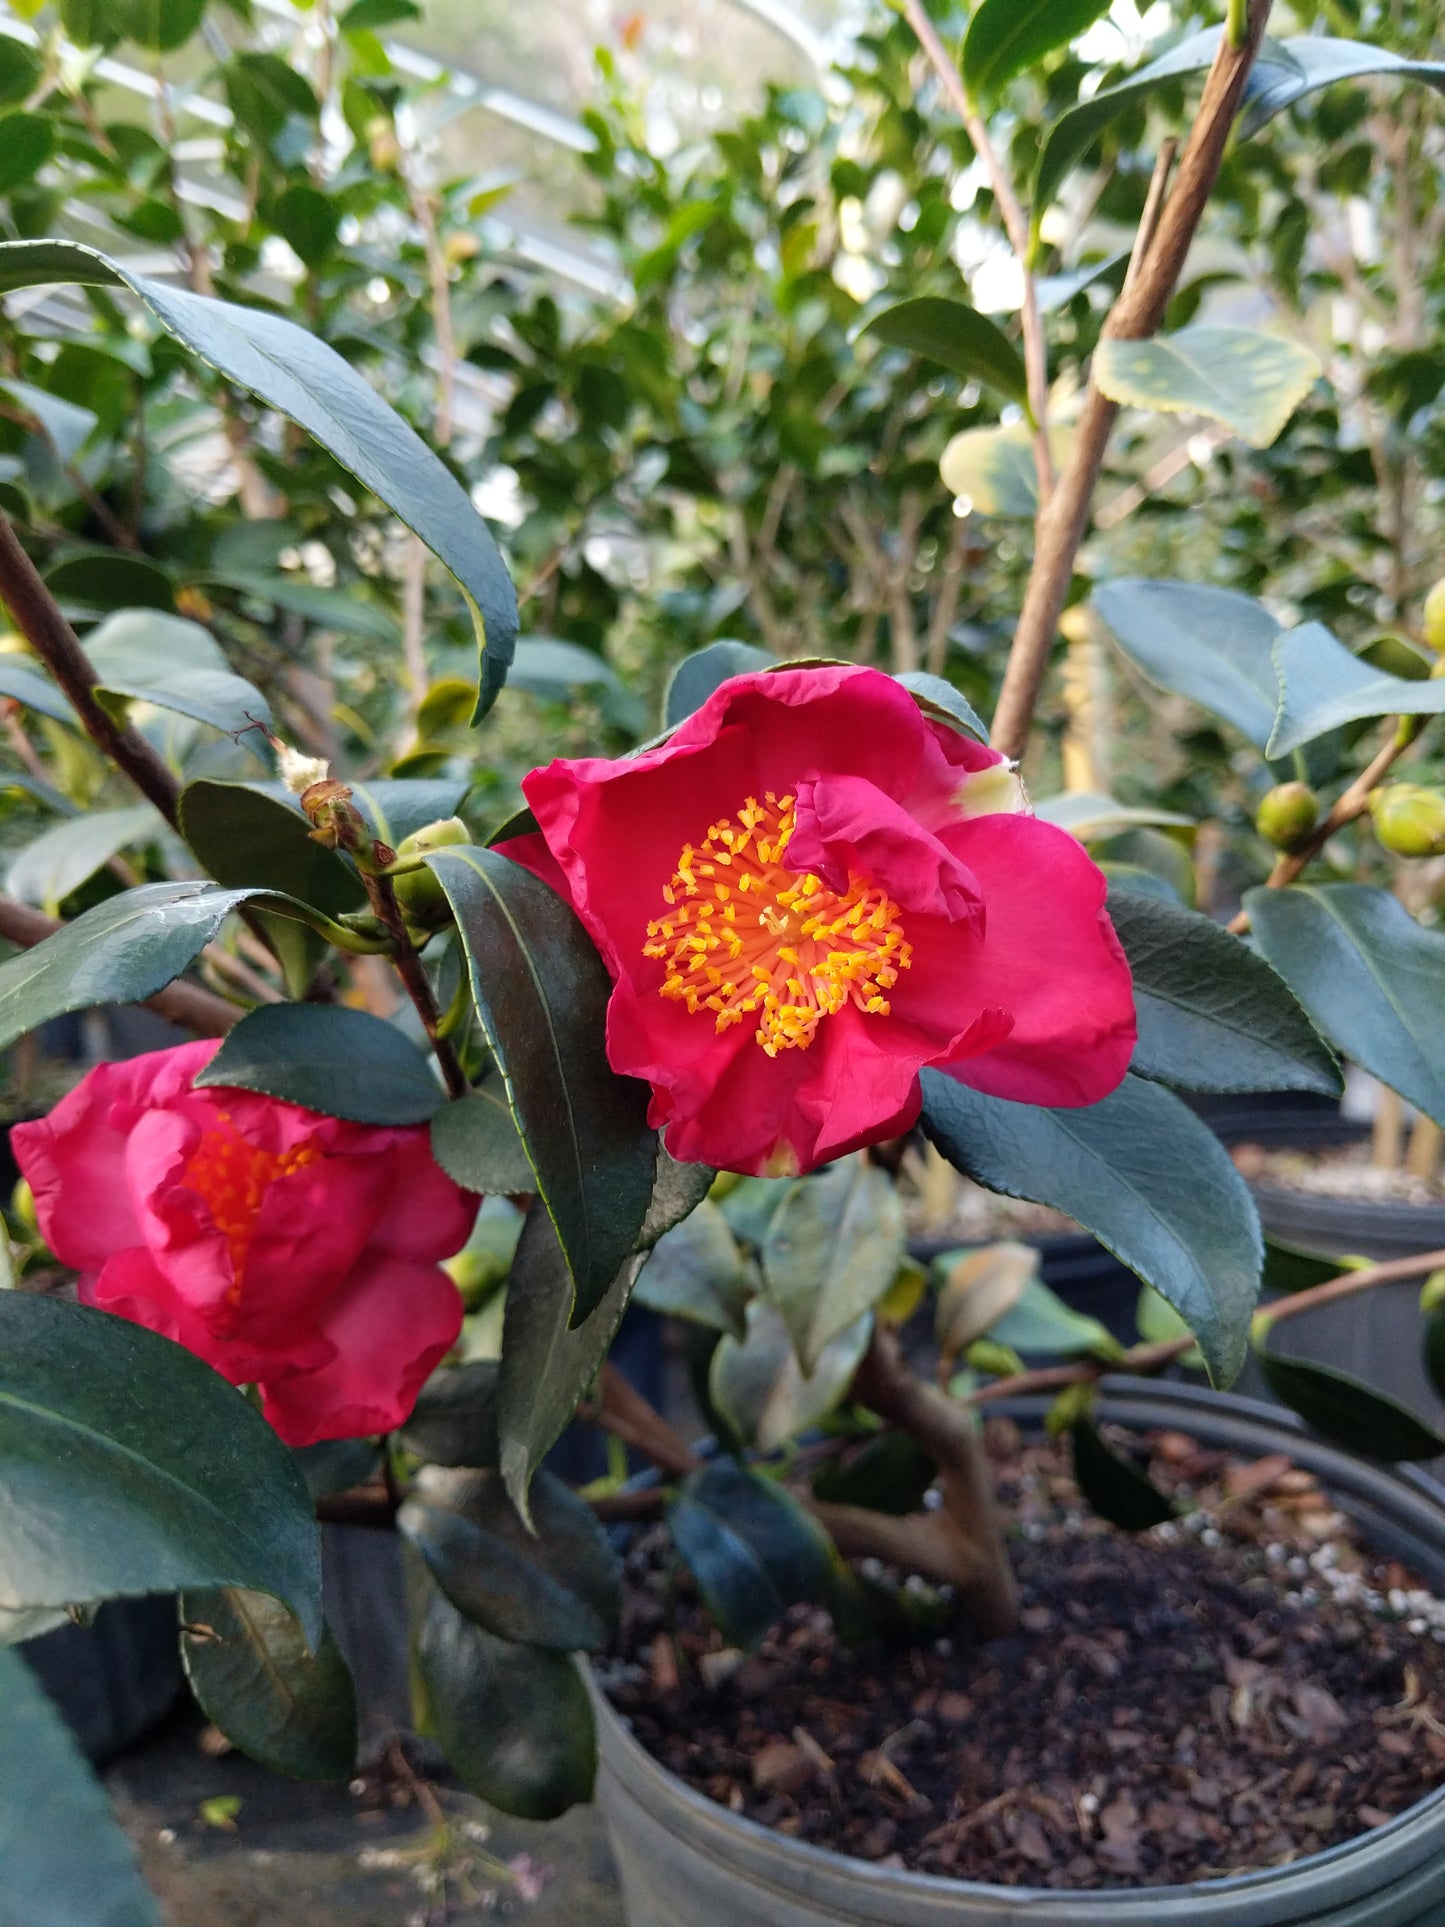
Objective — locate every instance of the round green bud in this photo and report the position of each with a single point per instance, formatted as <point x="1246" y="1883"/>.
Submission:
<point x="477" y="1275"/>
<point x="1432" y="631"/>
<point x="1288" y="815"/>
<point x="22" y="1207"/>
<point x="1409" y="819"/>
<point x="422" y="898"/>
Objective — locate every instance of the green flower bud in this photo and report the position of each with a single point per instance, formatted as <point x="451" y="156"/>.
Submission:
<point x="422" y="898"/>
<point x="1288" y="815"/>
<point x="477" y="1275"/>
<point x="1409" y="819"/>
<point x="22" y="1207"/>
<point x="1432" y="632"/>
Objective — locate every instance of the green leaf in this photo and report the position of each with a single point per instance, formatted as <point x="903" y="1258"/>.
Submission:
<point x="752" y="1549"/>
<point x="547" y="667"/>
<point x="1322" y="686"/>
<point x="475" y="1140"/>
<point x="64" y="1861"/>
<point x="395" y="807"/>
<point x="105" y="1491"/>
<point x="992" y="469"/>
<point x="37" y="692"/>
<point x="1249" y="380"/>
<point x="454" y="1420"/>
<point x="62" y="858"/>
<point x="1349" y="1413"/>
<point x="750" y="1205"/>
<point x="891" y="1474"/>
<point x="1371" y="978"/>
<point x="677" y="1189"/>
<point x="1212" y="645"/>
<point x="122" y="952"/>
<point x="1113" y="1485"/>
<point x="335" y="1465"/>
<point x="114" y="579"/>
<point x="1074" y="132"/>
<point x="832" y="1252"/>
<point x="27" y="142"/>
<point x="265" y="93"/>
<point x="243" y="836"/>
<point x="20" y="69"/>
<point x="1213" y="1016"/>
<point x="303" y="378"/>
<point x="366" y="16"/>
<point x="1007" y="37"/>
<point x="558" y="1585"/>
<point x="697" y="676"/>
<point x="941" y="700"/>
<point x="340" y="1062"/>
<point x="1143" y="1174"/>
<point x="1160" y="1324"/>
<point x="514" y="1721"/>
<point x="697" y="1272"/>
<point x="161" y="659"/>
<point x="761" y="1389"/>
<point x="547" y="1363"/>
<point x="1288" y="70"/>
<point x="541" y="994"/>
<point x="65" y="425"/>
<point x="1042" y="1323"/>
<point x="307" y="220"/>
<point x="1085" y="815"/>
<point x="334" y="609"/>
<point x="249" y="1667"/>
<point x="957" y="337"/>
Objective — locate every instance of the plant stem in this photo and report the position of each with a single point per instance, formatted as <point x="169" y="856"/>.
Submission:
<point x="1142" y="1360"/>
<point x="418" y="986"/>
<point x="1135" y="316"/>
<point x="39" y="619"/>
<point x="179" y="1003"/>
<point x="1346" y="1285"/>
<point x="1015" y="222"/>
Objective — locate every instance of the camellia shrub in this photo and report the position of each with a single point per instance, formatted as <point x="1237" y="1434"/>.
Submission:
<point x="816" y="913"/>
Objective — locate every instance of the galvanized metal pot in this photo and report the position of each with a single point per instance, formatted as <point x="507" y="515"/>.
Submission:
<point x="687" y="1862"/>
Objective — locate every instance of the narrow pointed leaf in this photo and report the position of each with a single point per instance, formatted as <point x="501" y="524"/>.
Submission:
<point x="255" y="1678"/>
<point x="957" y="337"/>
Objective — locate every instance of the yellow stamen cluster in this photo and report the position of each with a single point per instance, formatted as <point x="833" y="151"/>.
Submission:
<point x="745" y="935"/>
<point x="232" y="1175"/>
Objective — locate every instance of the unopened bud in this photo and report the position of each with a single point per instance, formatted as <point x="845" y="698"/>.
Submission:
<point x="1288" y="815"/>
<point x="1409" y="819"/>
<point x="1432" y="632"/>
<point x="22" y="1207"/>
<point x="422" y="898"/>
<point x="477" y="1275"/>
<point x="382" y="146"/>
<point x="460" y="245"/>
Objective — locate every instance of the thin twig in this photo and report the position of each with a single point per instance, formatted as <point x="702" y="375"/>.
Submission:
<point x="413" y="975"/>
<point x="1392" y="1271"/>
<point x="1143" y="1359"/>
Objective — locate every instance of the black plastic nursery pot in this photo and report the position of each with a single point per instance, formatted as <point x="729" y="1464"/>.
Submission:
<point x="1349" y="1227"/>
<point x="684" y="1859"/>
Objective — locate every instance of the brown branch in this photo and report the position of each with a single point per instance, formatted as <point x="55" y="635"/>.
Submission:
<point x="38" y="618"/>
<point x="413" y="975"/>
<point x="179" y="1003"/>
<point x="1135" y="316"/>
<point x="1141" y="1359"/>
<point x="1015" y="223"/>
<point x="1347" y="1285"/>
<point x="619" y="1408"/>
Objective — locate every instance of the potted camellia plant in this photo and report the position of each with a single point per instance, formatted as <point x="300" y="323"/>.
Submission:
<point x="815" y="914"/>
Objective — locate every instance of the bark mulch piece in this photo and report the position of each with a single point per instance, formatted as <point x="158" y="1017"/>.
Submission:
<point x="1229" y="1692"/>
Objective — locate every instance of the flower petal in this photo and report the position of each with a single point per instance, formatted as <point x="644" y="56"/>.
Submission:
<point x="846" y="826"/>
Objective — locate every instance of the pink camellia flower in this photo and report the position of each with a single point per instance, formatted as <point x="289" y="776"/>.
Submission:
<point x="811" y="892"/>
<point x="293" y="1252"/>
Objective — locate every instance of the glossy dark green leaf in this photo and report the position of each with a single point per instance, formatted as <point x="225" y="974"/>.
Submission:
<point x="940" y="699"/>
<point x="454" y="1420"/>
<point x="249" y="1667"/>
<point x="955" y="336"/>
<point x="750" y="1546"/>
<point x="335" y="1465"/>
<point x="1349" y="1413"/>
<point x="105" y="1491"/>
<point x="122" y="952"/>
<point x="1213" y="1016"/>
<point x="177" y="665"/>
<point x="1114" y="1486"/>
<point x="1212" y="645"/>
<point x="1322" y="686"/>
<point x="340" y="1062"/>
<point x="64" y="1861"/>
<point x="1290" y="1268"/>
<point x="559" y="1586"/>
<point x="697" y="676"/>
<point x="244" y="836"/>
<point x="697" y="1272"/>
<point x="677" y="1189"/>
<point x="1288" y="70"/>
<point x="396" y="807"/>
<point x="547" y="1363"/>
<point x="890" y="1474"/>
<point x="541" y="993"/>
<point x="832" y="1251"/>
<point x="305" y="379"/>
<point x="1250" y="380"/>
<point x="1370" y="977"/>
<point x="59" y="860"/>
<point x="27" y="142"/>
<point x="761" y="1389"/>
<point x="1143" y="1174"/>
<point x="515" y="1721"/>
<point x="1007" y="37"/>
<point x="475" y="1140"/>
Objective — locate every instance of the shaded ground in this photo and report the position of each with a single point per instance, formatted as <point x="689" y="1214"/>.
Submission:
<point x="379" y="1854"/>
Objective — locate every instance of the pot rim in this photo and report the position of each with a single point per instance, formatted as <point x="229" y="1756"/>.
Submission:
<point x="1398" y="1493"/>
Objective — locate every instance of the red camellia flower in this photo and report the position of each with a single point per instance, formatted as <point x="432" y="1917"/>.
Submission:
<point x="293" y="1252"/>
<point x="811" y="892"/>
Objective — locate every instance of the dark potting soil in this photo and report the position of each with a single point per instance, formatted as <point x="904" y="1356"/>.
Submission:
<point x="1232" y="1691"/>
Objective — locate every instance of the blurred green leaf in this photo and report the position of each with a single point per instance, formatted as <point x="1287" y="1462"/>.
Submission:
<point x="889" y="1474"/>
<point x="697" y="676"/>
<point x="1007" y="37"/>
<point x="249" y="1667"/>
<point x="151" y="657"/>
<point x="832" y="1251"/>
<point x="454" y="1420"/>
<point x="750" y="1546"/>
<point x="1347" y="1412"/>
<point x="1249" y="380"/>
<point x="59" y="860"/>
<point x="761" y="1389"/>
<point x="696" y="1271"/>
<point x="1211" y="645"/>
<point x="956" y="336"/>
<point x="1113" y="1485"/>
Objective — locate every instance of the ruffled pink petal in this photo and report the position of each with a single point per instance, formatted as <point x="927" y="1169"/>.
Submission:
<point x="1050" y="960"/>
<point x="389" y="1327"/>
<point x="424" y="1215"/>
<point x="74" y="1162"/>
<point x="311" y="1229"/>
<point x="846" y="827"/>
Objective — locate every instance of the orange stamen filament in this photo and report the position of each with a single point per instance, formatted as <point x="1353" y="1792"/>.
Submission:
<point x="232" y="1175"/>
<point x="744" y="935"/>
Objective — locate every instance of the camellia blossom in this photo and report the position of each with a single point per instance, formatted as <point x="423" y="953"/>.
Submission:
<point x="293" y="1252"/>
<point x="809" y="893"/>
